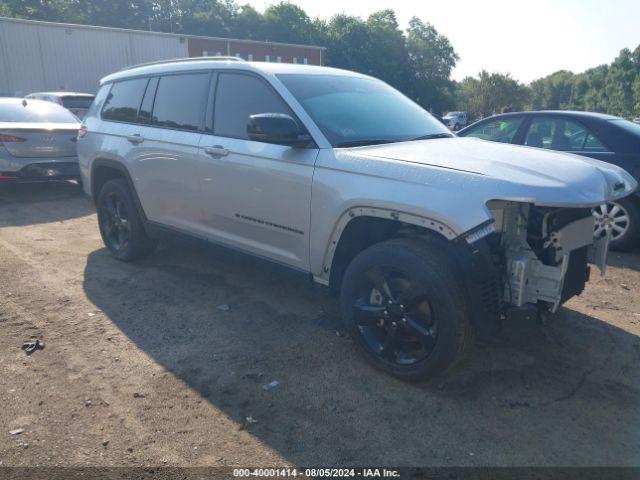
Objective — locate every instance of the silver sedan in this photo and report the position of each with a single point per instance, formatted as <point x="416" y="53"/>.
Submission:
<point x="37" y="141"/>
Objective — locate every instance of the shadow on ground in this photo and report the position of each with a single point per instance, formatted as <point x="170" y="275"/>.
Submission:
<point x="564" y="394"/>
<point x="50" y="202"/>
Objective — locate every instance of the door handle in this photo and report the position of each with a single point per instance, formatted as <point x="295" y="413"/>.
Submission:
<point x="217" y="150"/>
<point x="135" y="138"/>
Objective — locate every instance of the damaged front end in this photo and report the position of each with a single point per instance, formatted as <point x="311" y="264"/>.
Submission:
<point x="546" y="252"/>
<point x="533" y="259"/>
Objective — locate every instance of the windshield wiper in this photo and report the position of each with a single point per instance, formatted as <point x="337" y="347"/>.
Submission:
<point x="362" y="143"/>
<point x="429" y="136"/>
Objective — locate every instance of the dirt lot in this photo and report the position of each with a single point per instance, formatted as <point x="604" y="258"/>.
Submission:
<point x="143" y="365"/>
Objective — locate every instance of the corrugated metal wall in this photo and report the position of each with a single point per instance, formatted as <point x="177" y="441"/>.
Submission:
<point x="37" y="56"/>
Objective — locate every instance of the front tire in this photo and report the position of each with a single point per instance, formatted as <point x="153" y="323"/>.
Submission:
<point x="120" y="224"/>
<point x="403" y="303"/>
<point x="624" y="217"/>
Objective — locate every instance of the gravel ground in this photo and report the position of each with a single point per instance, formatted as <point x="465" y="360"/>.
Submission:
<point x="164" y="362"/>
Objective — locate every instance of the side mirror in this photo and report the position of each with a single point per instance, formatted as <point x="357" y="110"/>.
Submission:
<point x="278" y="128"/>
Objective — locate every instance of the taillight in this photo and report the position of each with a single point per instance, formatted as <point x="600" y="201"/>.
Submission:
<point x="4" y="138"/>
<point x="82" y="131"/>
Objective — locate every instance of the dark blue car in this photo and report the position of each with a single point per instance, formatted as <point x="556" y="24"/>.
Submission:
<point x="603" y="137"/>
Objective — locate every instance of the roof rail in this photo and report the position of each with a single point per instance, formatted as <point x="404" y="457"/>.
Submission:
<point x="185" y="59"/>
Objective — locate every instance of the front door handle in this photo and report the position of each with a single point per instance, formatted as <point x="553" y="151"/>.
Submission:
<point x="217" y="150"/>
<point x="135" y="138"/>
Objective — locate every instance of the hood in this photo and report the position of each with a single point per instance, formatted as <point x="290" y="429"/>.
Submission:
<point x="549" y="177"/>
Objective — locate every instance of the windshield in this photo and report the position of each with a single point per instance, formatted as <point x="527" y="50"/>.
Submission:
<point x="353" y="111"/>
<point x="35" y="111"/>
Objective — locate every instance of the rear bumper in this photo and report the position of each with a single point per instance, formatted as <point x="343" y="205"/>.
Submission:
<point x="43" y="171"/>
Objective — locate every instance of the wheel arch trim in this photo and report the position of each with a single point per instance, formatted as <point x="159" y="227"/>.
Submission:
<point x="376" y="212"/>
<point x="115" y="165"/>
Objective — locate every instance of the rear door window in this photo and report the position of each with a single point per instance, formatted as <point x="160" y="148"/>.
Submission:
<point x="180" y="101"/>
<point x="501" y="130"/>
<point x="555" y="133"/>
<point x="123" y="100"/>
<point x="239" y="96"/>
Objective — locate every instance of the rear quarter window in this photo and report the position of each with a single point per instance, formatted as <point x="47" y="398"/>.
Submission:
<point x="123" y="100"/>
<point x="96" y="104"/>
<point x="76" y="102"/>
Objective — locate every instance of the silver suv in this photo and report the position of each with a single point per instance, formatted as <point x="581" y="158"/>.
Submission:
<point x="429" y="239"/>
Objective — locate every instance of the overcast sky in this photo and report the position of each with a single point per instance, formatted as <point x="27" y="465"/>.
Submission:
<point x="528" y="39"/>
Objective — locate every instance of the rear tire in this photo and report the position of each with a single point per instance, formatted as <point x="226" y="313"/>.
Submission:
<point x="403" y="303"/>
<point x="120" y="224"/>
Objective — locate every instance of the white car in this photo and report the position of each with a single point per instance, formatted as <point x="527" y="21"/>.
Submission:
<point x="77" y="103"/>
<point x="429" y="238"/>
<point x="456" y="120"/>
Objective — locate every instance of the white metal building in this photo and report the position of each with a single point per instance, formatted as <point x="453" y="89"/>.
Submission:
<point x="43" y="56"/>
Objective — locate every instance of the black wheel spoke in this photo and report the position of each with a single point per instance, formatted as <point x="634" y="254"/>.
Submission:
<point x="108" y="227"/>
<point x="390" y="346"/>
<point x="118" y="205"/>
<point x="423" y="334"/>
<point x="111" y="207"/>
<point x="366" y="314"/>
<point x="122" y="236"/>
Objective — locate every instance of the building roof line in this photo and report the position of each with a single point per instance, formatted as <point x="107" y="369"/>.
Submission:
<point x="166" y="34"/>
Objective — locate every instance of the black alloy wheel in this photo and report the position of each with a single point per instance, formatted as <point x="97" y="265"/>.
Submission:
<point x="114" y="222"/>
<point x="120" y="224"/>
<point x="404" y="304"/>
<point x="394" y="317"/>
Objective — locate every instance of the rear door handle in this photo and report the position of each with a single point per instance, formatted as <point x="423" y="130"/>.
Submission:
<point x="135" y="138"/>
<point x="217" y="150"/>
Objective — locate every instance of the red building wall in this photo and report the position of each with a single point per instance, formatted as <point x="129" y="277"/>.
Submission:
<point x="260" y="51"/>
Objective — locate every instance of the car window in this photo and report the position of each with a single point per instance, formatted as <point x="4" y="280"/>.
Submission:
<point x="100" y="97"/>
<point x="592" y="144"/>
<point x="501" y="130"/>
<point x="35" y="111"/>
<point x="180" y="100"/>
<point x="123" y="100"/>
<point x="147" y="101"/>
<point x="561" y="134"/>
<point x="76" y="102"/>
<point x="238" y="97"/>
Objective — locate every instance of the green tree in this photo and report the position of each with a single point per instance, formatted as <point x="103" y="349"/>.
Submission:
<point x="488" y="93"/>
<point x="431" y="58"/>
<point x="553" y="92"/>
<point x="348" y="43"/>
<point x="286" y="22"/>
<point x="619" y="84"/>
<point x="248" y="23"/>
